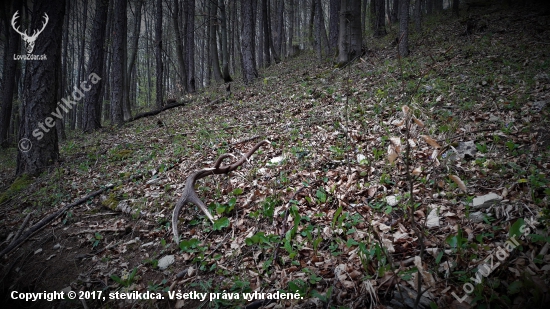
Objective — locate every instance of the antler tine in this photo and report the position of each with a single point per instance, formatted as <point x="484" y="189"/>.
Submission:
<point x="190" y="196"/>
<point x="16" y="16"/>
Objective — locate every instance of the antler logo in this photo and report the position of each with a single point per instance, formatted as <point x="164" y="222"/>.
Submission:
<point x="29" y="40"/>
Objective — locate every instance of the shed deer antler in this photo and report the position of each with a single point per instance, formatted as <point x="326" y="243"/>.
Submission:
<point x="190" y="196"/>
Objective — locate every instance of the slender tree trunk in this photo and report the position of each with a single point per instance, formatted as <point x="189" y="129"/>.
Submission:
<point x="333" y="25"/>
<point x="394" y="11"/>
<point x="190" y="44"/>
<point x="213" y="41"/>
<point x="417" y="16"/>
<point x="456" y="8"/>
<point x="404" y="28"/>
<point x="291" y="18"/>
<point x="322" y="46"/>
<point x="249" y="70"/>
<point x="119" y="64"/>
<point x="265" y="21"/>
<point x="8" y="81"/>
<point x="278" y="34"/>
<point x="225" y="54"/>
<point x="92" y="101"/>
<point x="158" y="55"/>
<point x="38" y="145"/>
<point x="380" y="18"/>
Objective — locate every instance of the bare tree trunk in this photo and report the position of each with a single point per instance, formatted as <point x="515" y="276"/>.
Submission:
<point x="278" y="34"/>
<point x="213" y="41"/>
<point x="92" y="101"/>
<point x="404" y="28"/>
<point x="265" y="22"/>
<point x="417" y="16"/>
<point x="350" y="34"/>
<point x="456" y="8"/>
<point x="180" y="55"/>
<point x="190" y="44"/>
<point x="8" y="81"/>
<point x="394" y="11"/>
<point x="333" y="25"/>
<point x="119" y="67"/>
<point x="130" y="71"/>
<point x="322" y="46"/>
<point x="38" y="146"/>
<point x="291" y="18"/>
<point x="249" y="70"/>
<point x="225" y="54"/>
<point x="380" y="18"/>
<point x="158" y="55"/>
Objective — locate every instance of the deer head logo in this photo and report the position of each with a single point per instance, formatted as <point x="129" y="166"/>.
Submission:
<point x="29" y="40"/>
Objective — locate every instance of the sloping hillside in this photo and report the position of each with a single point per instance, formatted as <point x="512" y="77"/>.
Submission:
<point x="370" y="185"/>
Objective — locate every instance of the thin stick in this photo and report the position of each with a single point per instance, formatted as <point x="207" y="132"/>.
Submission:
<point x="22" y="228"/>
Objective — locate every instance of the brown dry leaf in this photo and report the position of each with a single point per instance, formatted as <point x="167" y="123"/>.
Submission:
<point x="418" y="122"/>
<point x="458" y="182"/>
<point x="417" y="171"/>
<point x="406" y="110"/>
<point x="430" y="141"/>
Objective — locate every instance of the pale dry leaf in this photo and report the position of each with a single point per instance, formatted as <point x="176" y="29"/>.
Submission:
<point x="406" y="110"/>
<point x="392" y="155"/>
<point x="417" y="171"/>
<point x="398" y="123"/>
<point x="458" y="182"/>
<point x="396" y="142"/>
<point x="430" y="141"/>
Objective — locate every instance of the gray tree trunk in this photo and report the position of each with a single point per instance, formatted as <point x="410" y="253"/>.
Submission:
<point x="8" y="81"/>
<point x="291" y="17"/>
<point x="349" y="37"/>
<point x="158" y="55"/>
<point x="404" y="28"/>
<point x="190" y="44"/>
<point x="333" y="25"/>
<point x="92" y="101"/>
<point x="321" y="38"/>
<point x="225" y="54"/>
<point x="247" y="35"/>
<point x="417" y="16"/>
<point x="118" y="67"/>
<point x="38" y="146"/>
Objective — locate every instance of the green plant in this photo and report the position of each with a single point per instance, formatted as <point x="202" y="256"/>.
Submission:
<point x="127" y="279"/>
<point x="96" y="239"/>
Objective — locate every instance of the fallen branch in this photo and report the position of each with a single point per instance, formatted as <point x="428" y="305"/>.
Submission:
<point x="156" y="112"/>
<point x="38" y="226"/>
<point x="190" y="196"/>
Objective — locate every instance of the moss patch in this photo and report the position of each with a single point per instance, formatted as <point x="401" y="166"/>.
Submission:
<point x="18" y="185"/>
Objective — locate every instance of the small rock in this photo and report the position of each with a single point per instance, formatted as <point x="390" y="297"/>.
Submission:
<point x="360" y="157"/>
<point x="38" y="251"/>
<point x="477" y="217"/>
<point x="433" y="219"/>
<point x="166" y="261"/>
<point x="486" y="200"/>
<point x="57" y="247"/>
<point x="391" y="200"/>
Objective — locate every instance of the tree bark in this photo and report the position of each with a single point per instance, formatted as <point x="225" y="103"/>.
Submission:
<point x="8" y="81"/>
<point x="350" y="34"/>
<point x="333" y="25"/>
<point x="456" y="8"/>
<point x="118" y="66"/>
<point x="225" y="53"/>
<point x="249" y="69"/>
<point x="158" y="55"/>
<point x="265" y="22"/>
<point x="190" y="44"/>
<point x="404" y="28"/>
<point x="380" y="18"/>
<point x="92" y="101"/>
<point x="321" y="40"/>
<point x="215" y="62"/>
<point x="417" y="16"/>
<point x="291" y="17"/>
<point x="38" y="147"/>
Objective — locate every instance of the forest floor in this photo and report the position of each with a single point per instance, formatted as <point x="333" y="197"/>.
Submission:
<point x="325" y="209"/>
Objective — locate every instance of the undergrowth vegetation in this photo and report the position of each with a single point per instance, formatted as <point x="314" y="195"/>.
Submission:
<point x="363" y="193"/>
